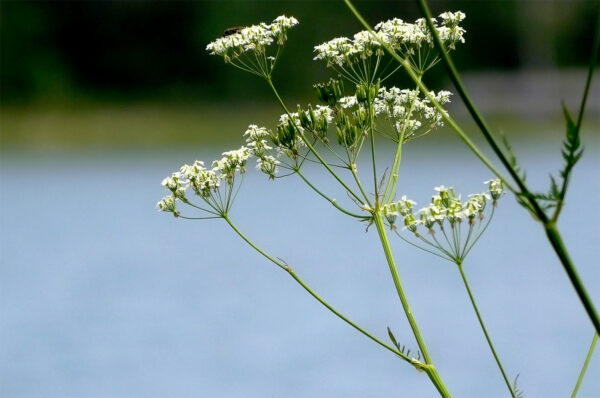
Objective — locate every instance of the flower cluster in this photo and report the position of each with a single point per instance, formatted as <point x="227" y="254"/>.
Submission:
<point x="343" y="51"/>
<point x="252" y="38"/>
<point x="411" y="116"/>
<point x="409" y="112"/>
<point x="287" y="138"/>
<point x="316" y="120"/>
<point x="231" y="163"/>
<point x="400" y="35"/>
<point x="446" y="208"/>
<point x="205" y="183"/>
<point x="256" y="140"/>
<point x="496" y="188"/>
<point x="403" y="37"/>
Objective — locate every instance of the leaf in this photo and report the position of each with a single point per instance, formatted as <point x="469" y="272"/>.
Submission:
<point x="393" y="338"/>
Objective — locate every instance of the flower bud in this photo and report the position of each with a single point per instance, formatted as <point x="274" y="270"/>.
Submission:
<point x="410" y="223"/>
<point x="330" y="92"/>
<point x="362" y="93"/>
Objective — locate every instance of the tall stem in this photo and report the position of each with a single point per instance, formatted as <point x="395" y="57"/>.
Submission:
<point x="549" y="225"/>
<point x="485" y="332"/>
<point x="432" y="372"/>
<point x="551" y="230"/>
<point x="561" y="251"/>
<point x="585" y="365"/>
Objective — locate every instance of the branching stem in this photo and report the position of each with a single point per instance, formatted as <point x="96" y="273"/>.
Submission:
<point x="290" y="271"/>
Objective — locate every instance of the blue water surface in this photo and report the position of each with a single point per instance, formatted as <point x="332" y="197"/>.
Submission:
<point x="102" y="296"/>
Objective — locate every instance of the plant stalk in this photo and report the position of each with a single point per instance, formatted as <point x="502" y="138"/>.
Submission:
<point x="289" y="270"/>
<point x="549" y="225"/>
<point x="585" y="365"/>
<point x="484" y="329"/>
<point x="432" y="373"/>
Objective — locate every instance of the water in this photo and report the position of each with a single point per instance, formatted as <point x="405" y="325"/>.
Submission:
<point x="102" y="296"/>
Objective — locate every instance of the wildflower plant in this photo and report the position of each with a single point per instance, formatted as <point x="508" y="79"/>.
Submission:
<point x="356" y="112"/>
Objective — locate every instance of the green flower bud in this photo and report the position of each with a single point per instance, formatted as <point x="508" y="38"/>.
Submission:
<point x="330" y="92"/>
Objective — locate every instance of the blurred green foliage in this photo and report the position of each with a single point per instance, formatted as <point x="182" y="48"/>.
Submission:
<point x="121" y="51"/>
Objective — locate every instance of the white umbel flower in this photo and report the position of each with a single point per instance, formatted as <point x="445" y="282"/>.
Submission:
<point x="252" y="38"/>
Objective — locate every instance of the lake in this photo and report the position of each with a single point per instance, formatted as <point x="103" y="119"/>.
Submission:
<point x="103" y="296"/>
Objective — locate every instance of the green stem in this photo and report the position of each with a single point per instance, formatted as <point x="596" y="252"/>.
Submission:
<point x="309" y="145"/>
<point x="463" y="136"/>
<point x="393" y="179"/>
<point x="372" y="133"/>
<point x="554" y="235"/>
<point x="588" y="83"/>
<point x="289" y="270"/>
<point x="484" y="329"/>
<point x="549" y="225"/>
<point x="360" y="187"/>
<point x="432" y="373"/>
<point x="585" y="365"/>
<point x="561" y="251"/>
<point x="332" y="201"/>
<point x="481" y="123"/>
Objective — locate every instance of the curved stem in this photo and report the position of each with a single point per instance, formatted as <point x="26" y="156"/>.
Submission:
<point x="463" y="136"/>
<point x="432" y="373"/>
<point x="289" y="270"/>
<point x="588" y="83"/>
<point x="309" y="145"/>
<point x="585" y="365"/>
<point x="484" y="329"/>
<point x="551" y="231"/>
<point x="549" y="225"/>
<point x="332" y="201"/>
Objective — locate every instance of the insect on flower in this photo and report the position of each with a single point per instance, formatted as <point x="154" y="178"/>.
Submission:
<point x="232" y="30"/>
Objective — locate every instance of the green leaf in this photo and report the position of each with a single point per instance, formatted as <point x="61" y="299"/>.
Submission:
<point x="392" y="337"/>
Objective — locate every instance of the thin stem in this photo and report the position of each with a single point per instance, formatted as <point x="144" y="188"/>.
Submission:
<point x="372" y="133"/>
<point x="484" y="329"/>
<point x="463" y="136"/>
<point x="360" y="187"/>
<point x="551" y="230"/>
<point x="309" y="145"/>
<point x="289" y="270"/>
<point x="420" y="247"/>
<point x="549" y="225"/>
<point x="433" y="375"/>
<point x="390" y="187"/>
<point x="585" y="365"/>
<point x="332" y="201"/>
<point x="588" y="83"/>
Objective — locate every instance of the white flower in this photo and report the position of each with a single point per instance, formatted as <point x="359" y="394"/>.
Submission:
<point x="337" y="51"/>
<point x="496" y="188"/>
<point x="232" y="162"/>
<point x="202" y="181"/>
<point x="255" y="133"/>
<point x="176" y="184"/>
<point x="268" y="165"/>
<point x="252" y="38"/>
<point x="167" y="204"/>
<point x="348" y="102"/>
